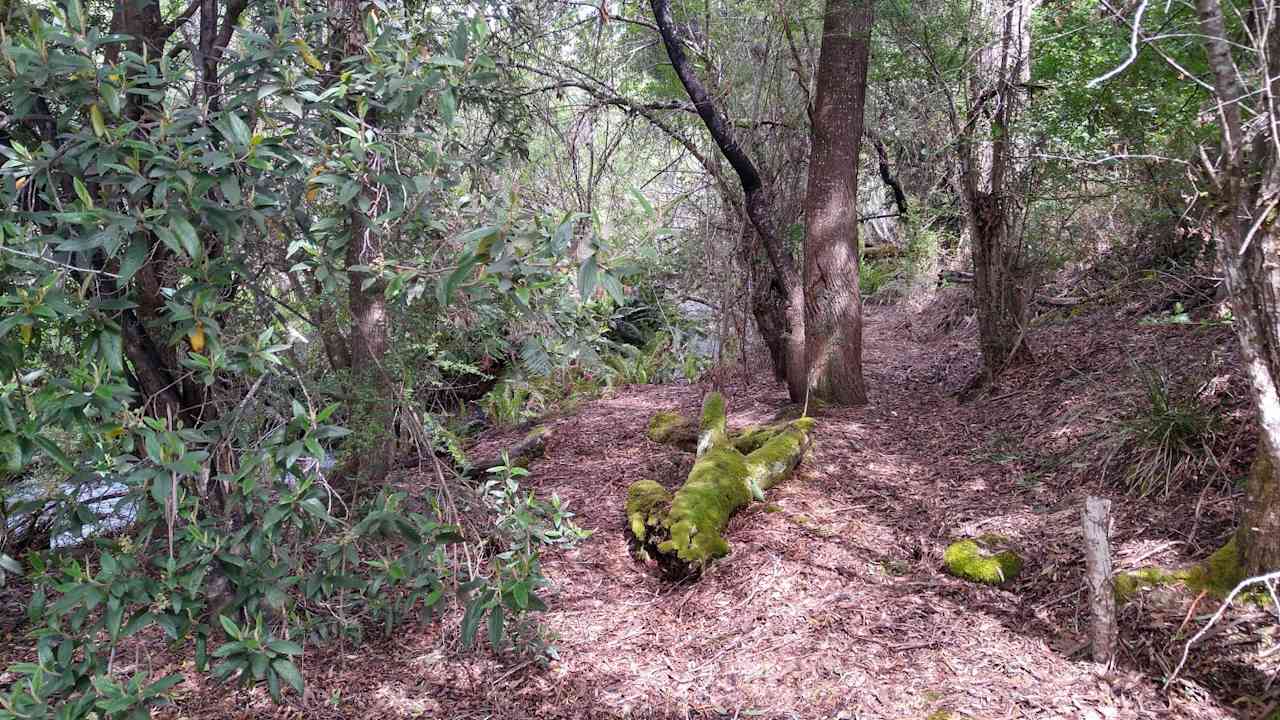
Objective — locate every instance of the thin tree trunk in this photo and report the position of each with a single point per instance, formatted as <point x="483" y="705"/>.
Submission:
<point x="1246" y="189"/>
<point x="757" y="201"/>
<point x="988" y="171"/>
<point x="372" y="389"/>
<point x="833" y="305"/>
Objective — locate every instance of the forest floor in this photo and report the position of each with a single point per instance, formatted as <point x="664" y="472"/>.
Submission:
<point x="833" y="602"/>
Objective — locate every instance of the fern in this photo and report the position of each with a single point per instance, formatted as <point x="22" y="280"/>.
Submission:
<point x="535" y="357"/>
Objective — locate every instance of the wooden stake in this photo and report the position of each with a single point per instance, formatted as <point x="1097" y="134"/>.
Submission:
<point x="1096" y="520"/>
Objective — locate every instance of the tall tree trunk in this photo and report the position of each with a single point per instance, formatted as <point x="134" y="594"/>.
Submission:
<point x="989" y="169"/>
<point x="832" y="304"/>
<point x="757" y="201"/>
<point x="373" y="391"/>
<point x="1246" y="190"/>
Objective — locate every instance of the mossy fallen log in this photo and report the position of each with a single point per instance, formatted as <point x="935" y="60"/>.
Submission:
<point x="531" y="447"/>
<point x="683" y="532"/>
<point x="1216" y="575"/>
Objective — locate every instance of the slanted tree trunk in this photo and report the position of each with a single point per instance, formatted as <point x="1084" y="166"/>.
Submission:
<point x="757" y="201"/>
<point x="1245" y="190"/>
<point x="683" y="532"/>
<point x="832" y="304"/>
<point x="989" y="173"/>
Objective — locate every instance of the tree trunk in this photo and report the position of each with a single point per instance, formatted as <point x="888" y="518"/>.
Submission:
<point x="373" y="392"/>
<point x="989" y="168"/>
<point x="756" y="200"/>
<point x="1246" y="190"/>
<point x="832" y="303"/>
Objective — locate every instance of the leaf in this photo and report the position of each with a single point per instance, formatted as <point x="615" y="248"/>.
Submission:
<point x="230" y="186"/>
<point x="82" y="192"/>
<point x="445" y="290"/>
<point x="587" y="278"/>
<point x="471" y="620"/>
<point x="135" y="256"/>
<point x="99" y="124"/>
<point x="535" y="357"/>
<point x="10" y="565"/>
<point x="186" y="235"/>
<point x="285" y="647"/>
<point x="448" y="106"/>
<point x="644" y="202"/>
<point x="239" y="130"/>
<point x="289" y="672"/>
<point x="54" y="452"/>
<point x="495" y="627"/>
<point x="230" y="626"/>
<point x="613" y="287"/>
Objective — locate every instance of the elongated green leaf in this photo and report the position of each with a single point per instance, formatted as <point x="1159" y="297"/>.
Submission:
<point x="287" y="670"/>
<point x="495" y="627"/>
<point x="587" y="278"/>
<point x="186" y="235"/>
<point x="471" y="620"/>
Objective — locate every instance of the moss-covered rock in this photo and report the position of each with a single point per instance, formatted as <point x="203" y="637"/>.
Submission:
<point x="671" y="428"/>
<point x="984" y="560"/>
<point x="647" y="502"/>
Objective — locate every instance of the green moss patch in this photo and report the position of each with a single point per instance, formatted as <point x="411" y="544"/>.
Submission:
<point x="701" y="508"/>
<point x="1219" y="573"/>
<point x="712" y="430"/>
<point x="982" y="560"/>
<point x="1126" y="585"/>
<point x="646" y="503"/>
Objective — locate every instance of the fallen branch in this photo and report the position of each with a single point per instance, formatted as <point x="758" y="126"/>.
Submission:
<point x="1268" y="581"/>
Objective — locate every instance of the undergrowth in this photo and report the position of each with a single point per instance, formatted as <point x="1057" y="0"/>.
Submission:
<point x="1168" y="441"/>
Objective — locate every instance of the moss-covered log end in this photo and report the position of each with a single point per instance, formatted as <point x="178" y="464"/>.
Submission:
<point x="671" y="428"/>
<point x="982" y="560"/>
<point x="647" y="503"/>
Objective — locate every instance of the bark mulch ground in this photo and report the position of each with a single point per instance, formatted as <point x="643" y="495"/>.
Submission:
<point x="833" y="603"/>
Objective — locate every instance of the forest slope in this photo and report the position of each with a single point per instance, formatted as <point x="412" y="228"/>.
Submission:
<point x="833" y="602"/>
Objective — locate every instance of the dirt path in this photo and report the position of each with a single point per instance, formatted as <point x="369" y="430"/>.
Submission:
<point x="833" y="603"/>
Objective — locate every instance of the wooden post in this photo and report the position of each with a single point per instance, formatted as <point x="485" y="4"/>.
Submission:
<point x="1096" y="520"/>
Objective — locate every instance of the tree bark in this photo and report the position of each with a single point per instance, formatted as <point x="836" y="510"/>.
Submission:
<point x="988" y="169"/>
<point x="1095" y="519"/>
<point x="756" y="199"/>
<point x="832" y="302"/>
<point x="1246" y="191"/>
<point x="372" y="389"/>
